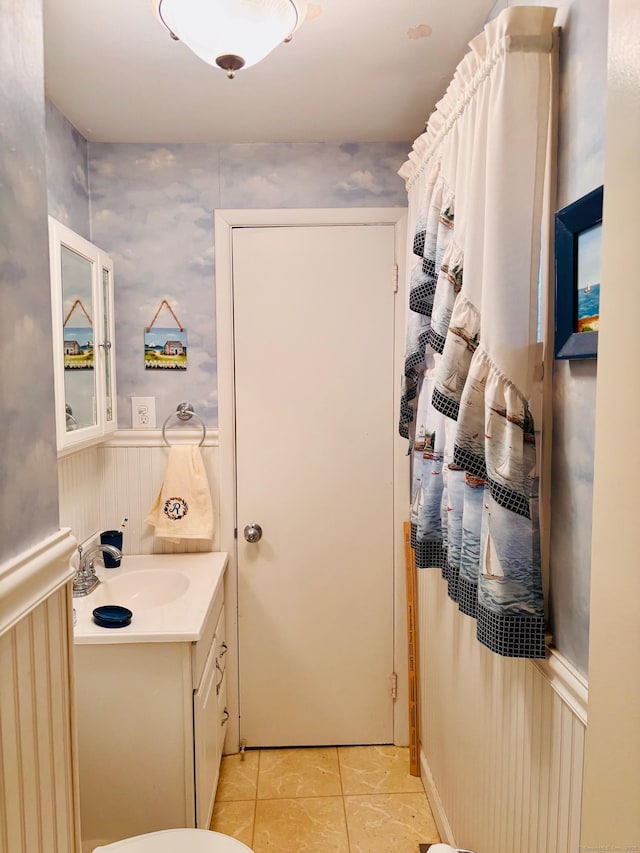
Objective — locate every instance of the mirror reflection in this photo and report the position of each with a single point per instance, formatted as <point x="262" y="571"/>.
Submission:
<point x="78" y="340"/>
<point x="106" y="314"/>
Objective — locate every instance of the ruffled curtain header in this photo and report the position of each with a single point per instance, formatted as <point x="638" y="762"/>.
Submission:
<point x="521" y="29"/>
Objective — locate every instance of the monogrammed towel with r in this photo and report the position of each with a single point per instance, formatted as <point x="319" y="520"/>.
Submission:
<point x="183" y="508"/>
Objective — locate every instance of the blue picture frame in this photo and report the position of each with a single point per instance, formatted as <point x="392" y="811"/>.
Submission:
<point x="578" y="230"/>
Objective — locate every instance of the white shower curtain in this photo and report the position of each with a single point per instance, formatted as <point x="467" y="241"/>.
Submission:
<point x="475" y="185"/>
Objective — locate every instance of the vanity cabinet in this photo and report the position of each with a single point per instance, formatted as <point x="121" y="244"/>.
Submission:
<point x="83" y="339"/>
<point x="210" y="715"/>
<point x="151" y="720"/>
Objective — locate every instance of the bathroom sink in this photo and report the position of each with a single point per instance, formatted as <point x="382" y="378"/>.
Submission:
<point x="143" y="588"/>
<point x="169" y="596"/>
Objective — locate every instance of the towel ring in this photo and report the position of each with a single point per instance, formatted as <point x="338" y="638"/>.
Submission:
<point x="185" y="412"/>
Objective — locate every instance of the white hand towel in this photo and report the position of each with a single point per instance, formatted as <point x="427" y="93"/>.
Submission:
<point x="183" y="508"/>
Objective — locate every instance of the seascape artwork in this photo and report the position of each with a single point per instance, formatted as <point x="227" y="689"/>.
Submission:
<point x="78" y="347"/>
<point x="165" y="349"/>
<point x="588" y="279"/>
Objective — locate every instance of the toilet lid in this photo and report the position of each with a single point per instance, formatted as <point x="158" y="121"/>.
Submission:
<point x="178" y="841"/>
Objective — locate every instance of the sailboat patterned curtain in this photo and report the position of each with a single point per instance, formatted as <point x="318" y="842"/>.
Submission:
<point x="475" y="185"/>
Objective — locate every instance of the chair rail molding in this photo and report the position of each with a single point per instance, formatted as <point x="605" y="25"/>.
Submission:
<point x="568" y="683"/>
<point x="29" y="578"/>
<point x="153" y="437"/>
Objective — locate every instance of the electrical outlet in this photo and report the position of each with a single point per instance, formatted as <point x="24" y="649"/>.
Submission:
<point x="143" y="412"/>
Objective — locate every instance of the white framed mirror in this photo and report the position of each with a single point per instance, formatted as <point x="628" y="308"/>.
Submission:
<point x="83" y="338"/>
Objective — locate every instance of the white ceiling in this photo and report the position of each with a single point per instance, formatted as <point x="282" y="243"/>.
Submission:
<point x="357" y="70"/>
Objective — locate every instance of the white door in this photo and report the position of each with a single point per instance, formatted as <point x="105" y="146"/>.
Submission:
<point x="315" y="422"/>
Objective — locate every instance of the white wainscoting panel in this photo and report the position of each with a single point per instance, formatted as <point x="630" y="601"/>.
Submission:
<point x="79" y="492"/>
<point x="38" y="800"/>
<point x="102" y="485"/>
<point x="502" y="741"/>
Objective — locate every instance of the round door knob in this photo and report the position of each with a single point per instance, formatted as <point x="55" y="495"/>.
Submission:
<point x="253" y="532"/>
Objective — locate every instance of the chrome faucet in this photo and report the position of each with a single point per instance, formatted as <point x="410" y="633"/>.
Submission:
<point x="85" y="579"/>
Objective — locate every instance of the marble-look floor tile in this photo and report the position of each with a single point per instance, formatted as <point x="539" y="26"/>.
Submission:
<point x="305" y="825"/>
<point x="238" y="777"/>
<point x="376" y="770"/>
<point x="389" y="823"/>
<point x="235" y="819"/>
<point x="298" y="773"/>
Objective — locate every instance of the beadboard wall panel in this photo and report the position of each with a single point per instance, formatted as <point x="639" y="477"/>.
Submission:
<point x="102" y="485"/>
<point x="79" y="488"/>
<point x="38" y="807"/>
<point x="502" y="744"/>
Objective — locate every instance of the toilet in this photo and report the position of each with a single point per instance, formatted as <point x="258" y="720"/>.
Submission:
<point x="177" y="841"/>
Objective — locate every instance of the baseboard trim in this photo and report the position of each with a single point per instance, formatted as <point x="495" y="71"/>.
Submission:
<point x="437" y="808"/>
<point x="32" y="576"/>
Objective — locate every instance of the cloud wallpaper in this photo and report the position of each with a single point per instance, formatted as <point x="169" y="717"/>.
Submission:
<point x="583" y="92"/>
<point x="28" y="469"/>
<point x="152" y="210"/>
<point x="67" y="181"/>
<point x="582" y="121"/>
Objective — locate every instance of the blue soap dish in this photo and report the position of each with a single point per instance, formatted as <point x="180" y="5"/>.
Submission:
<point x="112" y="616"/>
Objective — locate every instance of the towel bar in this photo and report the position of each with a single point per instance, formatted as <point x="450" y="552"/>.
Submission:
<point x="184" y="411"/>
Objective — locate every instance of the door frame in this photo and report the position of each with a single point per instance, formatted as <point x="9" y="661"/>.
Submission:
<point x="225" y="220"/>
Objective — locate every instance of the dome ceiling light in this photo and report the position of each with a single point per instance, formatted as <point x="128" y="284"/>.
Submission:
<point x="231" y="34"/>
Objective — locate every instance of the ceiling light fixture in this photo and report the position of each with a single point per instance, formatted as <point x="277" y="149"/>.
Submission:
<point x="231" y="34"/>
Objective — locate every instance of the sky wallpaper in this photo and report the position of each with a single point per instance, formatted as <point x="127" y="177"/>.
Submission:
<point x="152" y="210"/>
<point x="28" y="470"/>
<point x="583" y="92"/>
<point x="582" y="122"/>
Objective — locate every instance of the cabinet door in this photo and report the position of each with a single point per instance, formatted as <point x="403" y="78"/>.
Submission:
<point x="205" y="733"/>
<point x="221" y="683"/>
<point x="83" y="335"/>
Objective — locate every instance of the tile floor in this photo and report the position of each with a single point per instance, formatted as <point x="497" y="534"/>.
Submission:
<point x="355" y="799"/>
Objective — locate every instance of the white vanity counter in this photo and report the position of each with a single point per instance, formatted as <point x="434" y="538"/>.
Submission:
<point x="170" y="596"/>
<point x="151" y="697"/>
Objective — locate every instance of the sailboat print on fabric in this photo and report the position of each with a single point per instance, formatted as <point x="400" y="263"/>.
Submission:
<point x="429" y="531"/>
<point x="470" y="338"/>
<point x="504" y="469"/>
<point x="487" y="426"/>
<point x="453" y="368"/>
<point x="491" y="566"/>
<point x="428" y="449"/>
<point x="508" y="456"/>
<point x="451" y="382"/>
<point x="417" y="502"/>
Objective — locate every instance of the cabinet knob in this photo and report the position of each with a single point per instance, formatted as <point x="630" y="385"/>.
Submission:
<point x="253" y="532"/>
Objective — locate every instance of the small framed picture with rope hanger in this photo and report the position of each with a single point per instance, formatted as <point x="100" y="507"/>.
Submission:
<point x="78" y="338"/>
<point x="165" y="347"/>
